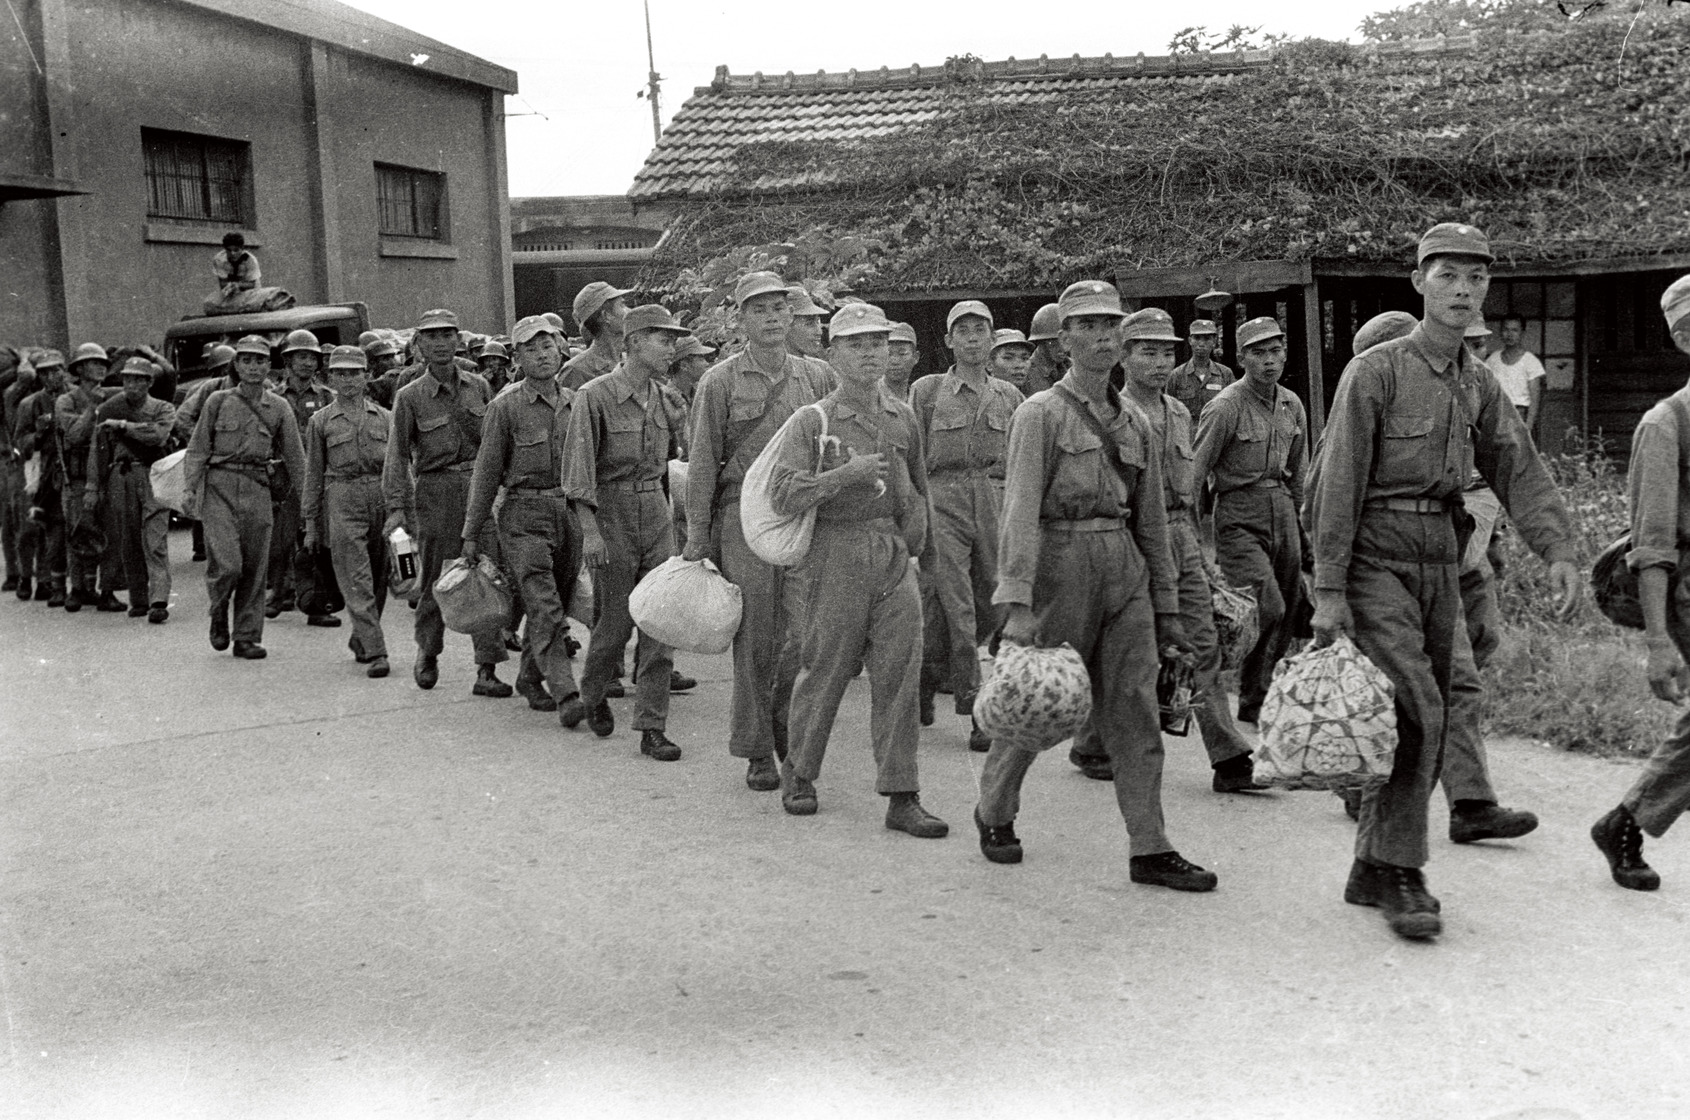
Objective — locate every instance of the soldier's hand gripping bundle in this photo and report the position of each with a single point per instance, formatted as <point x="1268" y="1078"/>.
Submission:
<point x="1035" y="698"/>
<point x="473" y="598"/>
<point x="1329" y="721"/>
<point x="1237" y="622"/>
<point x="687" y="605"/>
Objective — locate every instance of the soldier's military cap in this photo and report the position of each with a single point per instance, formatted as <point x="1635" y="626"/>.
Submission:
<point x="527" y="328"/>
<point x="858" y="318"/>
<point x="651" y="317"/>
<point x="89" y="352"/>
<point x="1047" y="322"/>
<point x="348" y="357"/>
<point x="1260" y="329"/>
<point x="754" y="284"/>
<point x="968" y="307"/>
<point x="903" y="332"/>
<point x="439" y="319"/>
<point x="1150" y="325"/>
<point x="1089" y="297"/>
<point x="1204" y="326"/>
<point x="594" y="296"/>
<point x="48" y="359"/>
<point x="383" y="347"/>
<point x="1009" y="337"/>
<point x="1457" y="238"/>
<point x="1675" y="301"/>
<point x="798" y="298"/>
<point x="220" y="355"/>
<point x="691" y="345"/>
<point x="1382" y="328"/>
<point x="253" y="344"/>
<point x="138" y="366"/>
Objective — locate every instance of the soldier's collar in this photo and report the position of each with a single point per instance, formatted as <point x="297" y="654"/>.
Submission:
<point x="1437" y="357"/>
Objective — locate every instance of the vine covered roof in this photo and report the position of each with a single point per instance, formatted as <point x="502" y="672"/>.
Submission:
<point x="1568" y="145"/>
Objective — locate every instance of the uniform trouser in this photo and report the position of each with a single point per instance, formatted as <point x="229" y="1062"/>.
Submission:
<point x="1466" y="769"/>
<point x="285" y="539"/>
<point x="441" y="498"/>
<point x="763" y="679"/>
<point x="966" y="507"/>
<point x="639" y="534"/>
<point x="236" y="511"/>
<point x="354" y="513"/>
<point x="542" y="543"/>
<point x="1093" y="592"/>
<point x="138" y="533"/>
<point x="45" y="538"/>
<point x="11" y="515"/>
<point x="1405" y="596"/>
<point x="84" y="567"/>
<point x="1662" y="792"/>
<point x="861" y="608"/>
<point x="1258" y="545"/>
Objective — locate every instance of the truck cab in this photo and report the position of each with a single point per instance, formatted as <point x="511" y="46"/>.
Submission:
<point x="334" y="324"/>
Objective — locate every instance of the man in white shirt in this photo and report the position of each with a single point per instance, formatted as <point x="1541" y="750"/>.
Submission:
<point x="1519" y="371"/>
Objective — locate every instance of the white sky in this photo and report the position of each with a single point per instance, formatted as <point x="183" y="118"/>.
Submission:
<point x="581" y="64"/>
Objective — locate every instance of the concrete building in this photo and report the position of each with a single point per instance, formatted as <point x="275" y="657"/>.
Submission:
<point x="362" y="161"/>
<point x="561" y="244"/>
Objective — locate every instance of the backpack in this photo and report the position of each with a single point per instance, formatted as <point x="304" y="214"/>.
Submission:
<point x="1612" y="581"/>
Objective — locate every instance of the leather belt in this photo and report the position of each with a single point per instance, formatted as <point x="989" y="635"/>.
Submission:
<point x="644" y="486"/>
<point x="338" y="476"/>
<point x="1408" y="505"/>
<point x="537" y="491"/>
<point x="1086" y="525"/>
<point x="455" y="468"/>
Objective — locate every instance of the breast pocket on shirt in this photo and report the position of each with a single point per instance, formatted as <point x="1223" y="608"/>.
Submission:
<point x="340" y="451"/>
<point x="1075" y="483"/>
<point x="1405" y="450"/>
<point x="992" y="446"/>
<point x="228" y="437"/>
<point x="623" y="439"/>
<point x="948" y="440"/>
<point x="434" y="437"/>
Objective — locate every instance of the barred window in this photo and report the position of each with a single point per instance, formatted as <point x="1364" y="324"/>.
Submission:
<point x="412" y="202"/>
<point x="197" y="178"/>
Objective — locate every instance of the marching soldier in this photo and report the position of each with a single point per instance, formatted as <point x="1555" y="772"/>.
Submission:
<point x="861" y="605"/>
<point x="522" y="450"/>
<point x="1411" y="419"/>
<point x="302" y="360"/>
<point x="133" y="428"/>
<point x="902" y="353"/>
<point x="1049" y="362"/>
<point x="1252" y="446"/>
<point x="1199" y="379"/>
<point x="88" y="561"/>
<point x="598" y="311"/>
<point x="494" y="363"/>
<point x="616" y="465"/>
<point x="1149" y="358"/>
<point x="1084" y="559"/>
<point x="240" y="434"/>
<point x="964" y="419"/>
<point x="1012" y="358"/>
<point x="435" y="436"/>
<point x="345" y="453"/>
<point x="805" y="338"/>
<point x="740" y="405"/>
<point x="36" y="437"/>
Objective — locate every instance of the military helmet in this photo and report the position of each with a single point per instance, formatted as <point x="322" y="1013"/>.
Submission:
<point x="301" y="340"/>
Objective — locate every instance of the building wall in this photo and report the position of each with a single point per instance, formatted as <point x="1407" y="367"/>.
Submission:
<point x="129" y="64"/>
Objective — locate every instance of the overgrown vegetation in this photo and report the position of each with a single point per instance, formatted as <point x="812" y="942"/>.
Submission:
<point x="1579" y="683"/>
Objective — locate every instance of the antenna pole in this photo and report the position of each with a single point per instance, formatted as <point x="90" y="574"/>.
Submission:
<point x="653" y="89"/>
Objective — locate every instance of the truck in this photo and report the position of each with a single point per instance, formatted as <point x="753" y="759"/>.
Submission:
<point x="334" y="324"/>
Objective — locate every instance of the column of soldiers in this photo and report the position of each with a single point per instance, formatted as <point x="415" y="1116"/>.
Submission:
<point x="1047" y="488"/>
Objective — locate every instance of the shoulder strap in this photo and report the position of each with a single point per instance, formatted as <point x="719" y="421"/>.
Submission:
<point x="1097" y="430"/>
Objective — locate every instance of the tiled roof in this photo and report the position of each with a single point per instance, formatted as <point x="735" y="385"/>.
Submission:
<point x="694" y="154"/>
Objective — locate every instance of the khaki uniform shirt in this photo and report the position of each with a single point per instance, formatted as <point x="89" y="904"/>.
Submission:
<point x="1412" y="422"/>
<point x="798" y="481"/>
<point x="73" y="415"/>
<point x="1172" y="426"/>
<point x="522" y="447"/>
<point x="589" y="364"/>
<point x="305" y="402"/>
<point x="1058" y="471"/>
<point x="965" y="426"/>
<point x="1195" y="388"/>
<point x="230" y="433"/>
<point x="435" y="427"/>
<point x="616" y="437"/>
<point x="1243" y="440"/>
<point x="340" y="444"/>
<point x="738" y="408"/>
<point x="143" y="443"/>
<point x="1657" y="495"/>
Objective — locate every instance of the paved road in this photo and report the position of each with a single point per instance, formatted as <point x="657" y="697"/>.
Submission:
<point x="283" y="890"/>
